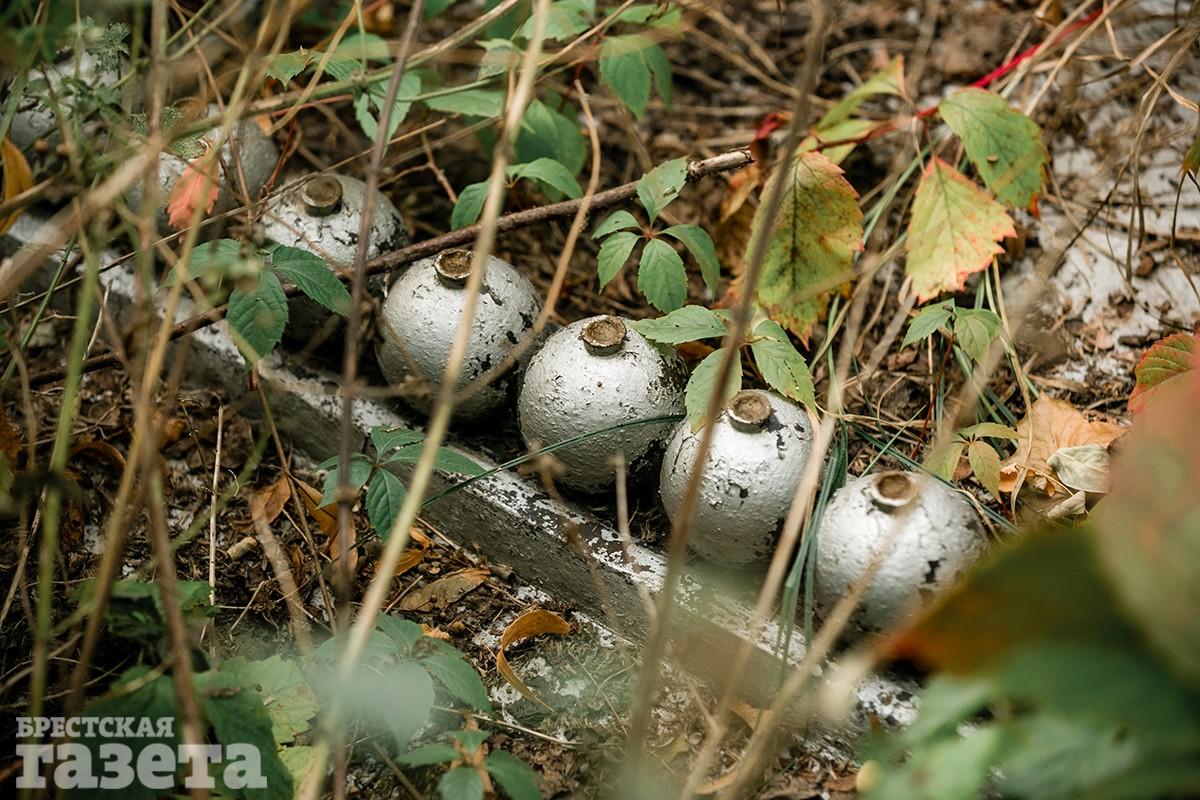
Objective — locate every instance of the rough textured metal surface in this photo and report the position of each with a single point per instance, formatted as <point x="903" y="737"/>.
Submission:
<point x="255" y="153"/>
<point x="333" y="236"/>
<point x="332" y="233"/>
<point x="569" y="390"/>
<point x="748" y="483"/>
<point x="941" y="536"/>
<point x="420" y="317"/>
<point x="34" y="119"/>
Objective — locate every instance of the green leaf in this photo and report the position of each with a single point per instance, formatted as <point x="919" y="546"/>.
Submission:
<point x="499" y="56"/>
<point x="661" y="185"/>
<point x="955" y="230"/>
<point x="1004" y="145"/>
<point x="385" y="496"/>
<point x="700" y="245"/>
<point x="469" y="206"/>
<point x="887" y="82"/>
<point x="661" y="276"/>
<point x="549" y="172"/>
<point x="239" y="719"/>
<point x="703" y="383"/>
<point x="782" y="367"/>
<point x="614" y="252"/>
<point x="470" y="740"/>
<point x="285" y="66"/>
<point x="927" y="321"/>
<point x="991" y="430"/>
<point x="375" y="96"/>
<point x="360" y="471"/>
<point x="403" y="633"/>
<point x="617" y="221"/>
<point x="985" y="463"/>
<point x="281" y="689"/>
<point x="563" y="21"/>
<point x="448" y="460"/>
<point x="516" y="779"/>
<point x="367" y="46"/>
<point x="217" y="260"/>
<point x="1191" y="159"/>
<point x="460" y="679"/>
<point x="434" y="7"/>
<point x="387" y="439"/>
<point x="485" y="103"/>
<point x="943" y="459"/>
<point x="428" y="754"/>
<point x="258" y="317"/>
<point x="461" y="783"/>
<point x="412" y="690"/>
<point x="313" y="276"/>
<point x="974" y="328"/>
<point x="628" y="64"/>
<point x="685" y="324"/>
<point x="549" y="132"/>
<point x="810" y="244"/>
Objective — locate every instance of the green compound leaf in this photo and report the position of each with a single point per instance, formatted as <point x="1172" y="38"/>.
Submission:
<point x="781" y="365"/>
<point x="703" y="383"/>
<point x="686" y="324"/>
<point x="700" y="245"/>
<point x="1004" y="145"/>
<point x="614" y="252"/>
<point x="385" y="496"/>
<point x="313" y="276"/>
<point x="486" y="103"/>
<point x="617" y="221"/>
<point x="460" y="679"/>
<point x="661" y="185"/>
<point x="928" y="321"/>
<point x="661" y="276"/>
<point x="257" y="317"/>
<point x="974" y="328"/>
<point x="955" y="230"/>
<point x="811" y="243"/>
<point x="516" y="779"/>
<point x="461" y="783"/>
<point x="629" y="65"/>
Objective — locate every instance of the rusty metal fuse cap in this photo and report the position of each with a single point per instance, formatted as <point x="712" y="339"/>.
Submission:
<point x="759" y="450"/>
<point x="940" y="537"/>
<point x="592" y="375"/>
<point x="419" y="320"/>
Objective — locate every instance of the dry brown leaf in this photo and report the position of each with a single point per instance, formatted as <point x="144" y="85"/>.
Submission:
<point x="444" y="591"/>
<point x="197" y="186"/>
<point x="18" y="178"/>
<point x="412" y="556"/>
<point x="1050" y="425"/>
<point x="325" y="518"/>
<point x="749" y="714"/>
<point x="435" y="633"/>
<point x="10" y="438"/>
<point x="101" y="451"/>
<point x="266" y="505"/>
<point x="530" y="624"/>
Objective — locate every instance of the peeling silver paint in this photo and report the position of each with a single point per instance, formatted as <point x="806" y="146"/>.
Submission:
<point x="748" y="483"/>
<point x="420" y="317"/>
<point x="941" y="537"/>
<point x="569" y="390"/>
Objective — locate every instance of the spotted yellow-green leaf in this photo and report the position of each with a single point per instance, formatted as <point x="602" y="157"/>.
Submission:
<point x="810" y="244"/>
<point x="1004" y="145"/>
<point x="955" y="230"/>
<point x="1162" y="366"/>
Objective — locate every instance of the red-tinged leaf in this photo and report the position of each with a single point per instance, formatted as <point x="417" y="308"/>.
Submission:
<point x="955" y="230"/>
<point x="1160" y="368"/>
<point x="196" y="188"/>
<point x="810" y="244"/>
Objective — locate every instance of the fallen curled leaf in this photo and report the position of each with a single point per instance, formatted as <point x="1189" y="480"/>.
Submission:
<point x="412" y="556"/>
<point x="1083" y="468"/>
<point x="749" y="714"/>
<point x="100" y="450"/>
<point x="196" y="188"/>
<point x="445" y="590"/>
<point x="324" y="516"/>
<point x="18" y="178"/>
<point x="1050" y="426"/>
<point x="530" y="624"/>
<point x="268" y="503"/>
